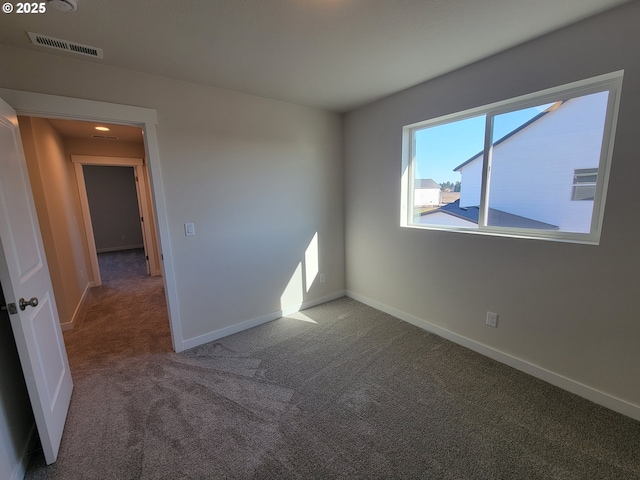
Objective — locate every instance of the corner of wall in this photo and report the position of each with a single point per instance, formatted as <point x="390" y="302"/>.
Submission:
<point x="79" y="310"/>
<point x="254" y="322"/>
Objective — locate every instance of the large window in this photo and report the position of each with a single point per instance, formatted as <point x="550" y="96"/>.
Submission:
<point x="535" y="166"/>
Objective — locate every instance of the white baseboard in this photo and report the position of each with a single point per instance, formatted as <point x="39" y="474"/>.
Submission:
<point x="254" y="322"/>
<point x="584" y="391"/>
<point x="117" y="249"/>
<point x="21" y="467"/>
<point x="70" y="324"/>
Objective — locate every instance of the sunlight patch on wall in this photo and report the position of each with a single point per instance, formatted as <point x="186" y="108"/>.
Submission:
<point x="293" y="295"/>
<point x="301" y="280"/>
<point x="311" y="262"/>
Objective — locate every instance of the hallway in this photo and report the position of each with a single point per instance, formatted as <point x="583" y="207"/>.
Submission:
<point x="125" y="317"/>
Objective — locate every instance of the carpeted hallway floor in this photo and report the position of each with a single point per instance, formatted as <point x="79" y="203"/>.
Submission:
<point x="337" y="391"/>
<point x="126" y="317"/>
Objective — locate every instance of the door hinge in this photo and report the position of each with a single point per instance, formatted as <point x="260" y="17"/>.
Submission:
<point x="147" y="257"/>
<point x="142" y="219"/>
<point x="11" y="308"/>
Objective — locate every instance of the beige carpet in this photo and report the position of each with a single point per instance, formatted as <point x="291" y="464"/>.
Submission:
<point x="338" y="391"/>
<point x="126" y="317"/>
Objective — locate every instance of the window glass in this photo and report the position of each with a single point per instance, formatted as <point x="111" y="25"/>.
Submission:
<point x="584" y="184"/>
<point x="437" y="183"/>
<point x="535" y="166"/>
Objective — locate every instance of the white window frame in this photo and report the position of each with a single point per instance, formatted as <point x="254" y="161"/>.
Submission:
<point x="611" y="82"/>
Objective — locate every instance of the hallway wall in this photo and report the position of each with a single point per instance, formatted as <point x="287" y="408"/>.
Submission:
<point x="58" y="207"/>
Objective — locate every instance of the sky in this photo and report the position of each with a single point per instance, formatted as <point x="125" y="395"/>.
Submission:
<point x="442" y="148"/>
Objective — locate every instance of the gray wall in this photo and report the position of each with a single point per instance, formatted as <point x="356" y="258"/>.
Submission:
<point x="113" y="202"/>
<point x="16" y="417"/>
<point x="569" y="309"/>
<point x="258" y="178"/>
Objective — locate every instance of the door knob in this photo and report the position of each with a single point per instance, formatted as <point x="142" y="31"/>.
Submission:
<point x="28" y="303"/>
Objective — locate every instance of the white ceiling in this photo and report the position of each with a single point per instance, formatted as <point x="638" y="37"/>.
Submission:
<point x="333" y="54"/>
<point x="86" y="130"/>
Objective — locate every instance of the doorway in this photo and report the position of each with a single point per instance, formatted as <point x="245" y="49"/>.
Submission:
<point x="56" y="107"/>
<point x="115" y="201"/>
<point x="61" y="155"/>
<point x="35" y="351"/>
<point x="116" y="220"/>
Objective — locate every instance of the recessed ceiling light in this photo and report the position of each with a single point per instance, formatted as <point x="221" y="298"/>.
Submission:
<point x="102" y="129"/>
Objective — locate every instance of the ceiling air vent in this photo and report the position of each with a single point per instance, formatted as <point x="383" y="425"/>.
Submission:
<point x="64" y="45"/>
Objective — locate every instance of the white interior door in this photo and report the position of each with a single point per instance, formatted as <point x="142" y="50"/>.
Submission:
<point x="24" y="275"/>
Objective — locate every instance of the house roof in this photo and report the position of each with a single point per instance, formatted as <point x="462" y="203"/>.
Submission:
<point x="512" y="133"/>
<point x="497" y="218"/>
<point x="426" y="183"/>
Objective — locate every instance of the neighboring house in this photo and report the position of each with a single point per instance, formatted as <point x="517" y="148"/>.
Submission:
<point x="455" y="216"/>
<point x="426" y="193"/>
<point x="544" y="171"/>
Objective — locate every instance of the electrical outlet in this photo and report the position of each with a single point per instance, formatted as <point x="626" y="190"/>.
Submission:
<point x="189" y="229"/>
<point x="321" y="277"/>
<point x="492" y="319"/>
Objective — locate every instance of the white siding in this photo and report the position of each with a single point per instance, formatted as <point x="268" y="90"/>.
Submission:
<point x="532" y="172"/>
<point x="426" y="196"/>
<point x="471" y="183"/>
